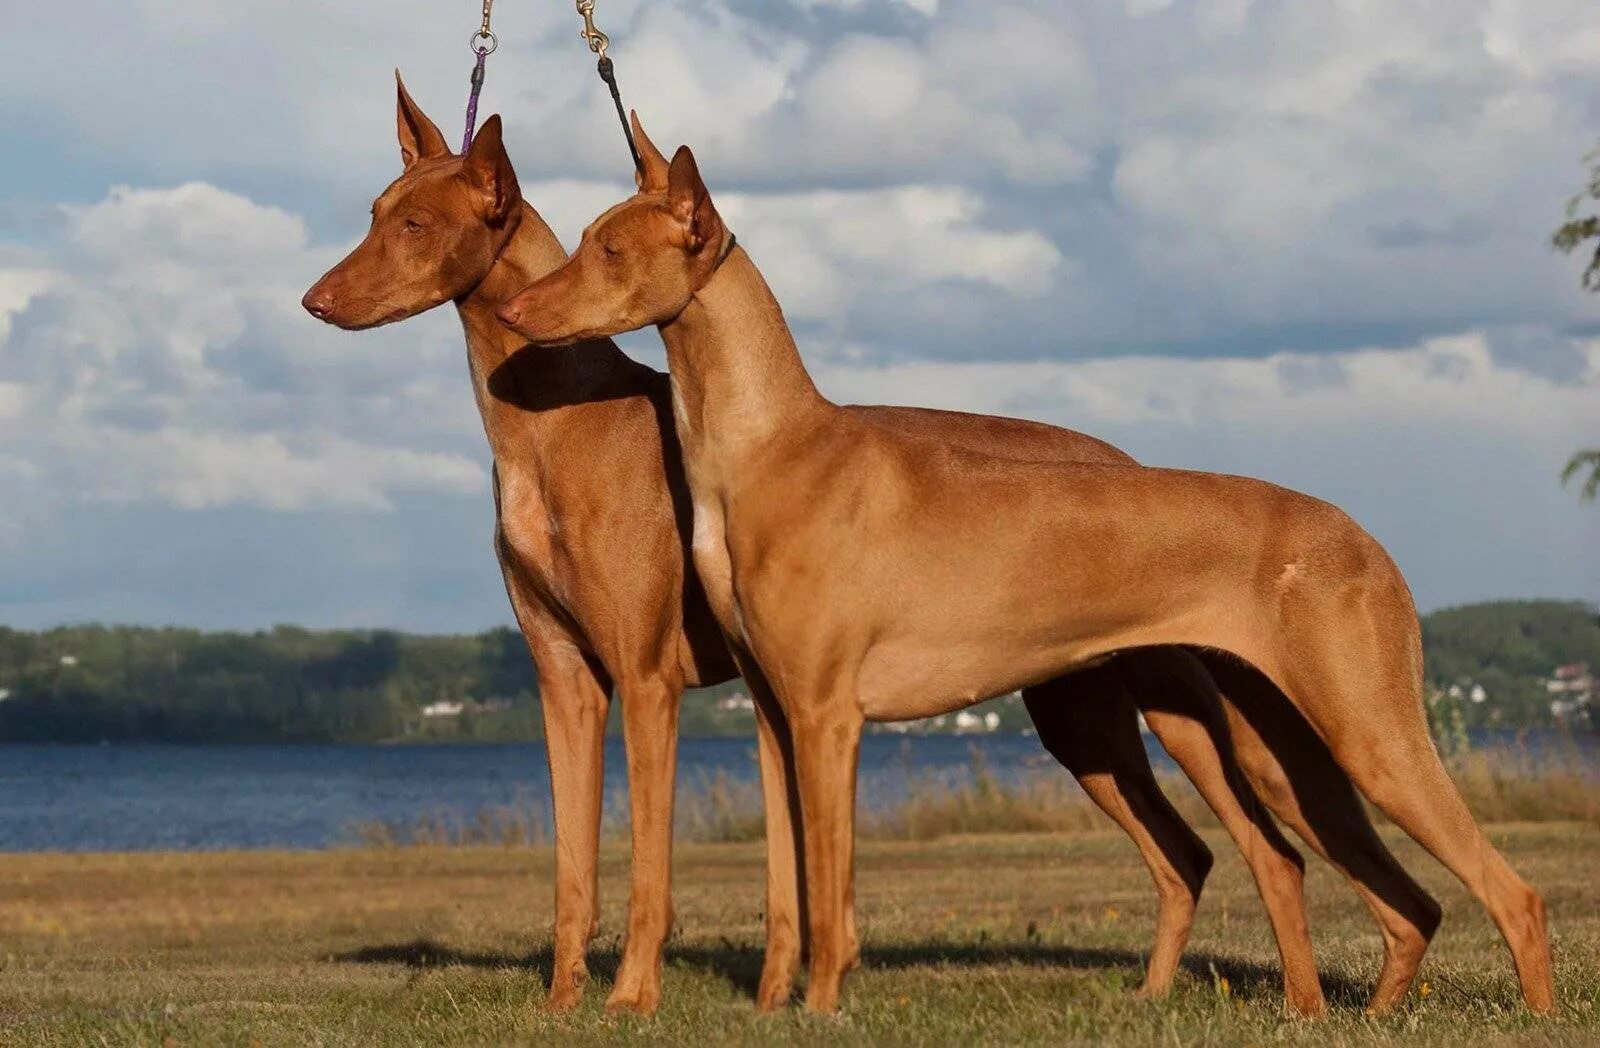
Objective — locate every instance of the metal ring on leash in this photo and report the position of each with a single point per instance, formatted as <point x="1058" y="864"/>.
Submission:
<point x="476" y="42"/>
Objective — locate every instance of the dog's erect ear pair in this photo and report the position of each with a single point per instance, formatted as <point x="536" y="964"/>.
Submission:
<point x="486" y="164"/>
<point x="687" y="195"/>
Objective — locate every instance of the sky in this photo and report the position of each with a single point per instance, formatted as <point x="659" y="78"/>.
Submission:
<point x="1304" y="242"/>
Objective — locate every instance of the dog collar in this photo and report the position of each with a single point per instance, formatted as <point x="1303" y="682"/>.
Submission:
<point x="722" y="256"/>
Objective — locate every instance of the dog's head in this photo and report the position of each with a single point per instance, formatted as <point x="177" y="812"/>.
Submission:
<point x="436" y="231"/>
<point x="638" y="263"/>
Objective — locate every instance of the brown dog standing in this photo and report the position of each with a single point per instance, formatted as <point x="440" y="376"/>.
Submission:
<point x="859" y="573"/>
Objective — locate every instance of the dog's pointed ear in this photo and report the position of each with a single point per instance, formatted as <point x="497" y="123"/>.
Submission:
<point x="419" y="136"/>
<point x="489" y="169"/>
<point x="651" y="177"/>
<point x="690" y="201"/>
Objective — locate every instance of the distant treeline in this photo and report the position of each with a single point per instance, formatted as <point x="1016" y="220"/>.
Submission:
<point x="98" y="683"/>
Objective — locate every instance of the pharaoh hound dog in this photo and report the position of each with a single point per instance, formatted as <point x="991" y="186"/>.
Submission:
<point x="599" y="586"/>
<point x="860" y="572"/>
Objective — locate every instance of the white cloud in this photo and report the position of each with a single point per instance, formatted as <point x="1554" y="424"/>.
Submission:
<point x="17" y="288"/>
<point x="1449" y="383"/>
<point x="824" y="250"/>
<point x="922" y="7"/>
<point x="987" y="91"/>
<point x="1209" y="170"/>
<point x="195" y="222"/>
<point x="1252" y="168"/>
<point x="203" y="470"/>
<point x="1339" y="161"/>
<point x="166" y="360"/>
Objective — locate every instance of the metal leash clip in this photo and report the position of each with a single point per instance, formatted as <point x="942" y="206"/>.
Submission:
<point x="598" y="42"/>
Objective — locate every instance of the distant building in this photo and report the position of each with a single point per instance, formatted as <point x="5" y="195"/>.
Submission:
<point x="736" y="702"/>
<point x="5" y="693"/>
<point x="1471" y="691"/>
<point x="1571" y="679"/>
<point x="969" y="723"/>
<point x="1572" y="689"/>
<point x="69" y="660"/>
<point x="442" y="709"/>
<point x="962" y="722"/>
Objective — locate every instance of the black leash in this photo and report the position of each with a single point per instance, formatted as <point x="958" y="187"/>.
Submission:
<point x="598" y="42"/>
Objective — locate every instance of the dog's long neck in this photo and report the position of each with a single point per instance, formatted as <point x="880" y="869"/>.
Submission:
<point x="532" y="251"/>
<point x="516" y="384"/>
<point x="737" y="377"/>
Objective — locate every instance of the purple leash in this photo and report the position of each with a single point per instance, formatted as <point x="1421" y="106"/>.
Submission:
<point x="472" y="101"/>
<point x="483" y="44"/>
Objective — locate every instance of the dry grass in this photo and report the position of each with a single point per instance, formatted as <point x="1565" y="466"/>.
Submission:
<point x="1501" y="784"/>
<point x="1514" y="784"/>
<point x="1022" y="939"/>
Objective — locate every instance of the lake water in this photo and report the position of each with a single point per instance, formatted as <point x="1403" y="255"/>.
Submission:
<point x="117" y="798"/>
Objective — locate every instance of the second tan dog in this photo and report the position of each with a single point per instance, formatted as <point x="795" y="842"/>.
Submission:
<point x="591" y="535"/>
<point x="861" y="573"/>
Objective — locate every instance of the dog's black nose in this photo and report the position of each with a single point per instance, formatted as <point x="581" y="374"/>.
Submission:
<point x="318" y="302"/>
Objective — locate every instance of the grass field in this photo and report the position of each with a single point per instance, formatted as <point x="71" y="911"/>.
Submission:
<point x="993" y="939"/>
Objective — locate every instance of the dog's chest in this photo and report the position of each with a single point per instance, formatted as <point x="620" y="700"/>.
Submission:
<point x="715" y="567"/>
<point x="533" y="538"/>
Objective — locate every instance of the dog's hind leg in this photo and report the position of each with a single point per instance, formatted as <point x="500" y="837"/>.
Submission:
<point x="1360" y="686"/>
<point x="1088" y="722"/>
<point x="1413" y="789"/>
<point x="1295" y="775"/>
<point x="1182" y="707"/>
<point x="1385" y="748"/>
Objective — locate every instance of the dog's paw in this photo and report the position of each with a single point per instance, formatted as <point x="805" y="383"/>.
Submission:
<point x="639" y="1000"/>
<point x="773" y="995"/>
<point x="564" y="996"/>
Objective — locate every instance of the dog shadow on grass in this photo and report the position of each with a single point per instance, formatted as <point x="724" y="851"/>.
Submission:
<point x="741" y="965"/>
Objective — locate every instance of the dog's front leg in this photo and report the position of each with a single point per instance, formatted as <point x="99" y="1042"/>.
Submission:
<point x="827" y="748"/>
<point x="650" y="730"/>
<point x="575" y="700"/>
<point x="785" y="918"/>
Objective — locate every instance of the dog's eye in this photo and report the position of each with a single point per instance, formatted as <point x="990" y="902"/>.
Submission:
<point x="413" y="226"/>
<point x="610" y="250"/>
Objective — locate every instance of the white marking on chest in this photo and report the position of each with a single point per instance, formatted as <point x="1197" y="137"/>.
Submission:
<point x="680" y="413"/>
<point x="1290" y="575"/>
<point x="739" y="625"/>
<point x="707" y="533"/>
